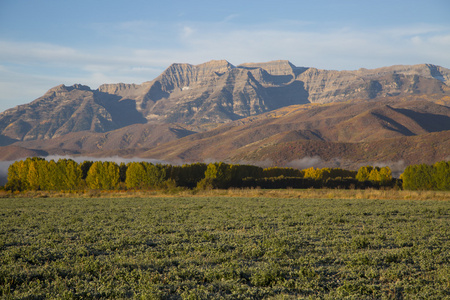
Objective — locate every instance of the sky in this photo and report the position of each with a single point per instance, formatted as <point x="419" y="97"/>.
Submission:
<point x="50" y="42"/>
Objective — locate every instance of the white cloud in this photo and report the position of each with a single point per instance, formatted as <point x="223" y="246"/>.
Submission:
<point x="230" y="18"/>
<point x="40" y="66"/>
<point x="28" y="52"/>
<point x="187" y="32"/>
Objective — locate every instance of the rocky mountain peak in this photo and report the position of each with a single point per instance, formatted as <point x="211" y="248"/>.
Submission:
<point x="439" y="73"/>
<point x="217" y="66"/>
<point x="212" y="92"/>
<point x="181" y="75"/>
<point x="276" y="67"/>
<point x="63" y="88"/>
<point x="81" y="87"/>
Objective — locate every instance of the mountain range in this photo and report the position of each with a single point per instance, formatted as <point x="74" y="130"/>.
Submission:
<point x="270" y="113"/>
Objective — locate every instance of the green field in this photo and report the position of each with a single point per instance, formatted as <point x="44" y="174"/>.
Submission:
<point x="224" y="247"/>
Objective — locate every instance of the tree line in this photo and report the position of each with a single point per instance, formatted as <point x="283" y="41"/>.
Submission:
<point x="427" y="177"/>
<point x="66" y="174"/>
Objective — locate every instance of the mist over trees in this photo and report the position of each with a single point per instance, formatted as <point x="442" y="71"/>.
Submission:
<point x="66" y="174"/>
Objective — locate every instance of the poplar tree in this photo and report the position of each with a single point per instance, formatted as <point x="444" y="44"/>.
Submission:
<point x="417" y="177"/>
<point x="112" y="178"/>
<point x="53" y="176"/>
<point x="156" y="175"/>
<point x="385" y="175"/>
<point x="441" y="175"/>
<point x="33" y="176"/>
<point x="363" y="173"/>
<point x="14" y="181"/>
<point x="94" y="176"/>
<point x="135" y="175"/>
<point x="71" y="172"/>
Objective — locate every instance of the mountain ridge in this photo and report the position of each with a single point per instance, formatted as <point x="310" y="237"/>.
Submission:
<point x="191" y="102"/>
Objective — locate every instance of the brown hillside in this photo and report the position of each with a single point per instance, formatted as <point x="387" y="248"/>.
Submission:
<point x="427" y="148"/>
<point x="274" y="112"/>
<point x="10" y="153"/>
<point x="215" y="92"/>
<point x="137" y="136"/>
<point x="328" y="131"/>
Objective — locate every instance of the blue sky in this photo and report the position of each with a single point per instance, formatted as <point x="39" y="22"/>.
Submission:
<point x="50" y="42"/>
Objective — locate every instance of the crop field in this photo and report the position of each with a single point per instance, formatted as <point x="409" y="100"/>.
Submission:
<point x="189" y="247"/>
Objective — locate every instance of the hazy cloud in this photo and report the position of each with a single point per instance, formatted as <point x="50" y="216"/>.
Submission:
<point x="187" y="32"/>
<point x="138" y="59"/>
<point x="305" y="162"/>
<point x="397" y="167"/>
<point x="4" y="165"/>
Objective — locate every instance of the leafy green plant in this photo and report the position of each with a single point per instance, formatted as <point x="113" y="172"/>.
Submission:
<point x="223" y="248"/>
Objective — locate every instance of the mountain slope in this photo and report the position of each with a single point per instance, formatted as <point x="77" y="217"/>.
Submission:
<point x="254" y="111"/>
<point x="348" y="123"/>
<point x="68" y="109"/>
<point x="211" y="93"/>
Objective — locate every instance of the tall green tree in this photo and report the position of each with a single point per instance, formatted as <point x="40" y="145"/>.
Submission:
<point x="70" y="174"/>
<point x="217" y="175"/>
<point x="418" y="177"/>
<point x="364" y="173"/>
<point x="135" y="175"/>
<point x="33" y="176"/>
<point x="441" y="175"/>
<point x="156" y="175"/>
<point x="14" y="182"/>
<point x="385" y="175"/>
<point x="52" y="175"/>
<point x="103" y="175"/>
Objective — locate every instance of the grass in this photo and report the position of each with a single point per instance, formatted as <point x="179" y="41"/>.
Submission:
<point x="213" y="246"/>
<point x="388" y="194"/>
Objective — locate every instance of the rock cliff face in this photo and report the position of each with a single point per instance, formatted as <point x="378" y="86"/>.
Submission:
<point x="331" y="86"/>
<point x="68" y="109"/>
<point x="213" y="92"/>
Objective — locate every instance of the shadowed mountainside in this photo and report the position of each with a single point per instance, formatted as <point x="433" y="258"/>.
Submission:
<point x="223" y="112"/>
<point x="352" y="124"/>
<point x="210" y="93"/>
